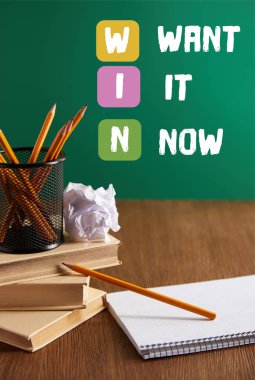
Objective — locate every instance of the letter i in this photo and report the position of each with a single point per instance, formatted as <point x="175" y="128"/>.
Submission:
<point x="168" y="87"/>
<point x="119" y="85"/>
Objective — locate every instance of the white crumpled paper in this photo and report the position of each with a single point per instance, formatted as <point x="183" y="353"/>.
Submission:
<point x="88" y="213"/>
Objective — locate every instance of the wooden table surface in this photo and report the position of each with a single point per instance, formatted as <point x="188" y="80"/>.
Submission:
<point x="164" y="242"/>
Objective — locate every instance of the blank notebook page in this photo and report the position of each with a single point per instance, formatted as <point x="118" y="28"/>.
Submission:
<point x="153" y="326"/>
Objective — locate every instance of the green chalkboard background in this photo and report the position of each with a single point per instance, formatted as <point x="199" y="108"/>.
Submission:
<point x="47" y="55"/>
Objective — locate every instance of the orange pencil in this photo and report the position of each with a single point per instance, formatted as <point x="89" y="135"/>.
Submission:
<point x="7" y="149"/>
<point x="75" y="121"/>
<point x="65" y="136"/>
<point x="14" y="160"/>
<point x="51" y="155"/>
<point x="59" y="141"/>
<point x="143" y="291"/>
<point x="32" y="203"/>
<point x="77" y="118"/>
<point x="42" y="135"/>
<point x="54" y="144"/>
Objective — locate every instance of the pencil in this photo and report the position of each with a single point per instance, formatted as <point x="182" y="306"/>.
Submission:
<point x="42" y="135"/>
<point x="66" y="134"/>
<point x="143" y="291"/>
<point x="7" y="216"/>
<point x="57" y="145"/>
<point x="58" y="141"/>
<point x="54" y="144"/>
<point x="23" y="190"/>
<point x="23" y="175"/>
<point x="41" y="175"/>
<point x="75" y="121"/>
<point x="7" y="149"/>
<point x="77" y="118"/>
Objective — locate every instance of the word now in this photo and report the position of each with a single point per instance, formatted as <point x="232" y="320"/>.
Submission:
<point x="207" y="143"/>
<point x="192" y="36"/>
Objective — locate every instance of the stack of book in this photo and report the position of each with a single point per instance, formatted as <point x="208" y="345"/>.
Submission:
<point x="40" y="299"/>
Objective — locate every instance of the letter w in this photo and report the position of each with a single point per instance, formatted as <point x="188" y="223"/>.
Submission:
<point x="210" y="143"/>
<point x="169" y="40"/>
<point x="116" y="41"/>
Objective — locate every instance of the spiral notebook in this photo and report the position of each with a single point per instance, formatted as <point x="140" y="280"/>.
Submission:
<point x="158" y="330"/>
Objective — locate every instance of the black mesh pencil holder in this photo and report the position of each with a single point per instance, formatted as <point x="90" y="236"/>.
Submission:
<point x="31" y="203"/>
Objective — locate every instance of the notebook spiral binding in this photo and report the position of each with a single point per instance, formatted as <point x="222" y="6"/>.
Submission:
<point x="197" y="345"/>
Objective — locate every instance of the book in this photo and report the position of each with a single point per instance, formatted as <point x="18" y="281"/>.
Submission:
<point x="16" y="267"/>
<point x="158" y="330"/>
<point x="66" y="292"/>
<point x="32" y="330"/>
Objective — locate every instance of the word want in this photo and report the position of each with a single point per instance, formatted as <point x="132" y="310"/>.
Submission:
<point x="192" y="37"/>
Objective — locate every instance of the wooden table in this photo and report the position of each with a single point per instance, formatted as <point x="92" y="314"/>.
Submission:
<point x="164" y="242"/>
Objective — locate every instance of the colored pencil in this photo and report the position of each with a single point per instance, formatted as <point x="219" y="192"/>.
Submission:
<point x="56" y="147"/>
<point x="7" y="149"/>
<point x="42" y="135"/>
<point x="42" y="174"/>
<point x="66" y="134"/>
<point x="23" y="190"/>
<point x="142" y="291"/>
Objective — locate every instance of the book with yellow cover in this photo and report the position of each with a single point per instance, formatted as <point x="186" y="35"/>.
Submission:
<point x="66" y="292"/>
<point x="32" y="330"/>
<point x="95" y="255"/>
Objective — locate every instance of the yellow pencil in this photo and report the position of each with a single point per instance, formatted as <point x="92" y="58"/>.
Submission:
<point x="54" y="144"/>
<point x="8" y="149"/>
<point x="30" y="202"/>
<point x="75" y="121"/>
<point x="67" y="130"/>
<point x="59" y="141"/>
<point x="42" y="135"/>
<point x="143" y="291"/>
<point x="41" y="174"/>
<point x="77" y="118"/>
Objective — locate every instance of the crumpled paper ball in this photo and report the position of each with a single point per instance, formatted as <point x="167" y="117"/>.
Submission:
<point x="88" y="213"/>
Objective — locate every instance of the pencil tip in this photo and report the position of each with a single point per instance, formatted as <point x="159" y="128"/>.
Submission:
<point x="65" y="264"/>
<point x="53" y="108"/>
<point x="83" y="110"/>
